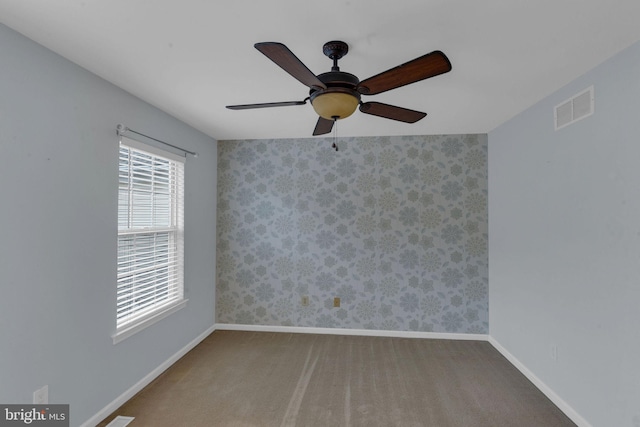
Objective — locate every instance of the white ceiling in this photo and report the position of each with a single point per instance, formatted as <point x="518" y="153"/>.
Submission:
<point x="190" y="58"/>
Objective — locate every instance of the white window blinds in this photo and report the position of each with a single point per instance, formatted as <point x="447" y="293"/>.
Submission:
<point x="150" y="233"/>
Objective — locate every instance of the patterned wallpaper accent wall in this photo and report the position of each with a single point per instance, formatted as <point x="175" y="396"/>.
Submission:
<point x="394" y="226"/>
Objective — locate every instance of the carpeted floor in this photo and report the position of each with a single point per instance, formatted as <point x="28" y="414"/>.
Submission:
<point x="248" y="379"/>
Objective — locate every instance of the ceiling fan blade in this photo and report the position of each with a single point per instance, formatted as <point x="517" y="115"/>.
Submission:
<point x="323" y="126"/>
<point x="266" y="105"/>
<point x="285" y="59"/>
<point x="429" y="65"/>
<point x="392" y="112"/>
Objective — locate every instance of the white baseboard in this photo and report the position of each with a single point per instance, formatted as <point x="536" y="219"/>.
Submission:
<point x="360" y="332"/>
<point x="124" y="397"/>
<point x="545" y="389"/>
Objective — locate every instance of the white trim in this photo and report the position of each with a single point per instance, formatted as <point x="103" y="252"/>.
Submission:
<point x="361" y="332"/>
<point x="120" y="421"/>
<point x="124" y="397"/>
<point x="545" y="389"/>
<point x="125" y="333"/>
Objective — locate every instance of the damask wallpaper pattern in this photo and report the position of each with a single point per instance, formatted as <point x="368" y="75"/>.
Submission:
<point x="394" y="226"/>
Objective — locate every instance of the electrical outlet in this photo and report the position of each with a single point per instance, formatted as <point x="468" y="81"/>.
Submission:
<point x="554" y="352"/>
<point x="41" y="396"/>
<point x="304" y="300"/>
<point x="336" y="302"/>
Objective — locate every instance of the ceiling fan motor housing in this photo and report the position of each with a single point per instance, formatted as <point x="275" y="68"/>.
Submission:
<point x="340" y="99"/>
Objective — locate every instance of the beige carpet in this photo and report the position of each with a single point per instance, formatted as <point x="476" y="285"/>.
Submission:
<point x="279" y="379"/>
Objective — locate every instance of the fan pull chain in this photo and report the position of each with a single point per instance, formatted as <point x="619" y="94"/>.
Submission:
<point x="335" y="133"/>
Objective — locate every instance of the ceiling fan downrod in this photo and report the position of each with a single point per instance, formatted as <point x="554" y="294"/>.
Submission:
<point x="335" y="50"/>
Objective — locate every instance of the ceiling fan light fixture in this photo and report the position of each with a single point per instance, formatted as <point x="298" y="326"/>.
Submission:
<point x="335" y="105"/>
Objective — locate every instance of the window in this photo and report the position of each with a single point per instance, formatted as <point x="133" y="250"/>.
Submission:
<point x="150" y="282"/>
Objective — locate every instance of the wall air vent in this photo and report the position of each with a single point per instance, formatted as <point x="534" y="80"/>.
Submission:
<point x="575" y="108"/>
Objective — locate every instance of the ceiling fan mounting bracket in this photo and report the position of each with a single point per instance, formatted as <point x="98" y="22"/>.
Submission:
<point x="335" y="49"/>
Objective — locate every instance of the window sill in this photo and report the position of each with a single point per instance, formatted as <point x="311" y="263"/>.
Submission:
<point x="131" y="330"/>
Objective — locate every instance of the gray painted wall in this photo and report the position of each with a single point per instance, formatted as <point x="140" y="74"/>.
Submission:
<point x="394" y="226"/>
<point x="564" y="244"/>
<point x="58" y="169"/>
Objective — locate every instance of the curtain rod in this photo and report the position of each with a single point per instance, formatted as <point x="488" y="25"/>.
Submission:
<point x="121" y="129"/>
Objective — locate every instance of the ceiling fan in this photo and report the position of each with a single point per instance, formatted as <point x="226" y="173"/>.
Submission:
<point x="336" y="94"/>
